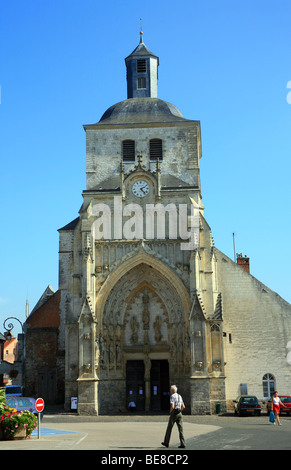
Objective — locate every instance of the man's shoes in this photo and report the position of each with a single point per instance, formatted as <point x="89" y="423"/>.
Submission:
<point x="181" y="447"/>
<point x="163" y="444"/>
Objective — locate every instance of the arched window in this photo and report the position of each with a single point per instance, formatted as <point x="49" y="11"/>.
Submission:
<point x="156" y="149"/>
<point x="268" y="385"/>
<point x="128" y="150"/>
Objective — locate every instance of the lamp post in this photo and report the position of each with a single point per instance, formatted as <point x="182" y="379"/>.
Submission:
<point x="9" y="327"/>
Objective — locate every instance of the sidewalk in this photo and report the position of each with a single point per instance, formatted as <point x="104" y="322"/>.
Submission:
<point x="111" y="433"/>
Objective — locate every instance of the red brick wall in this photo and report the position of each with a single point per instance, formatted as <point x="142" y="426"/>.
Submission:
<point x="47" y="315"/>
<point x="42" y="353"/>
<point x="244" y="263"/>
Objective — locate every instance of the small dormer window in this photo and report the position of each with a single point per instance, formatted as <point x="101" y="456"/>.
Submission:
<point x="128" y="150"/>
<point x="156" y="149"/>
<point x="141" y="82"/>
<point x="141" y="66"/>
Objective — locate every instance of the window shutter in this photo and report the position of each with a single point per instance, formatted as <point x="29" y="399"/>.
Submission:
<point x="141" y="82"/>
<point x="156" y="149"/>
<point x="141" y="66"/>
<point x="128" y="150"/>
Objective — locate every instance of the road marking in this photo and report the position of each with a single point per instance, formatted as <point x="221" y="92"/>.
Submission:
<point x="80" y="440"/>
<point x="51" y="432"/>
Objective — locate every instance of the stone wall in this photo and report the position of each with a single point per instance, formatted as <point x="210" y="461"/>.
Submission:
<point x="257" y="329"/>
<point x="104" y="151"/>
<point x="112" y="396"/>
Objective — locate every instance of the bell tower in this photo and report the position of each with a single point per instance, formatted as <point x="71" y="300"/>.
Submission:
<point x="142" y="72"/>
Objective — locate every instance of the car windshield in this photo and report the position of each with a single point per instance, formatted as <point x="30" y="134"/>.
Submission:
<point x="285" y="399"/>
<point x="24" y="402"/>
<point x="249" y="400"/>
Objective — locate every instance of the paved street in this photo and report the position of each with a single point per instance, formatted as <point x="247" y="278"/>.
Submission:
<point x="128" y="433"/>
<point x="244" y="433"/>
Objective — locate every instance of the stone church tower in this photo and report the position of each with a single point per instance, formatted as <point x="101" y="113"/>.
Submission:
<point x="138" y="309"/>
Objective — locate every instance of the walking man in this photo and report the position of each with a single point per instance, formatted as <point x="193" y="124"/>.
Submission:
<point x="176" y="408"/>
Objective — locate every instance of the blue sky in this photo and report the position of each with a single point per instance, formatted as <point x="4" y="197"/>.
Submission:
<point x="225" y="63"/>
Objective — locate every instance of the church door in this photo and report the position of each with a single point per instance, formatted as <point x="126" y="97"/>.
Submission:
<point x="47" y="385"/>
<point x="135" y="385"/>
<point x="160" y="385"/>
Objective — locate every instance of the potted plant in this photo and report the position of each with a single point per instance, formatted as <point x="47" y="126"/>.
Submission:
<point x="2" y="400"/>
<point x="3" y="407"/>
<point x="15" y="424"/>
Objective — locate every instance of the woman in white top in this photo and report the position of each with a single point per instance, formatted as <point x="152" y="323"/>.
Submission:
<point x="276" y="402"/>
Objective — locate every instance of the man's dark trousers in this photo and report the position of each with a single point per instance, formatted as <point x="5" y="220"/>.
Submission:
<point x="178" y="419"/>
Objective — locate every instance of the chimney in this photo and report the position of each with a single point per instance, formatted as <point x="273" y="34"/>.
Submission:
<point x="243" y="261"/>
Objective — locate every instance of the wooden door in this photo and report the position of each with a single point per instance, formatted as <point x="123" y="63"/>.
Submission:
<point x="135" y="385"/>
<point x="159" y="385"/>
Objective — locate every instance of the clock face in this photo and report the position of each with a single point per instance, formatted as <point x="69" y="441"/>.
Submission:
<point x="140" y="188"/>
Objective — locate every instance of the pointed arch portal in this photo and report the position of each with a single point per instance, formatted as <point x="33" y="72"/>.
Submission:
<point x="142" y="258"/>
<point x="143" y="318"/>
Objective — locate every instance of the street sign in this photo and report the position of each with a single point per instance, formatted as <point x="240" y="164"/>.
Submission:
<point x="39" y="405"/>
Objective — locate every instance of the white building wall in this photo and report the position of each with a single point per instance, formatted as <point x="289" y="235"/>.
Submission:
<point x="259" y="322"/>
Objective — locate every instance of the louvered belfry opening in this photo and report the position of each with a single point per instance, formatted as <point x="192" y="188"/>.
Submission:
<point x="156" y="149"/>
<point x="128" y="150"/>
<point x="141" y="66"/>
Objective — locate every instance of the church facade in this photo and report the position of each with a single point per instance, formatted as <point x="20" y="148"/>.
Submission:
<point x="145" y="298"/>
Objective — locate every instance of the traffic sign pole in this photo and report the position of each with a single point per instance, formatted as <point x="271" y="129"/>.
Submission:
<point x="39" y="406"/>
<point x="38" y="429"/>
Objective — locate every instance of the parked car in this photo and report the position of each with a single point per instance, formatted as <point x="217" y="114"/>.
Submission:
<point x="22" y="403"/>
<point x="13" y="391"/>
<point x="286" y="400"/>
<point x="247" y="404"/>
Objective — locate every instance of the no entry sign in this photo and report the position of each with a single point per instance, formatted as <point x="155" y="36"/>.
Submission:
<point x="39" y="405"/>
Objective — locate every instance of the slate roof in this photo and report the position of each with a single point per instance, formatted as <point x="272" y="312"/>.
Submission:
<point x="141" y="50"/>
<point x="45" y="296"/>
<point x="70" y="225"/>
<point x="134" y="111"/>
